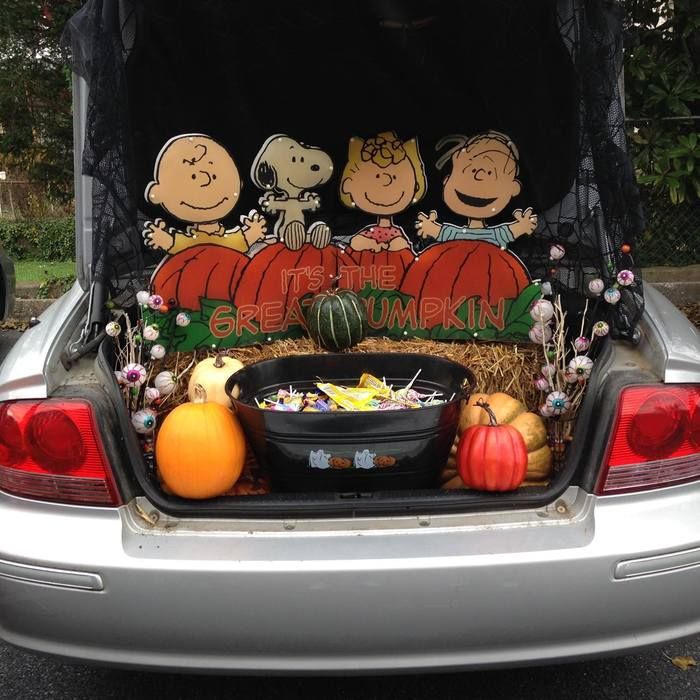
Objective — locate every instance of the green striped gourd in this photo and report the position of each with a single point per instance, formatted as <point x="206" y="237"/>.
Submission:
<point x="337" y="319"/>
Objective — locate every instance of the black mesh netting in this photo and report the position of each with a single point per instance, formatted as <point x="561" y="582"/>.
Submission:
<point x="545" y="72"/>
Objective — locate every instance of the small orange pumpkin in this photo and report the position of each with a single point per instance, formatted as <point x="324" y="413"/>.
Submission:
<point x="492" y="457"/>
<point x="200" y="449"/>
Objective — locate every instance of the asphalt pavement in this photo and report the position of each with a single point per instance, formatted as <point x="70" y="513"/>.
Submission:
<point x="648" y="676"/>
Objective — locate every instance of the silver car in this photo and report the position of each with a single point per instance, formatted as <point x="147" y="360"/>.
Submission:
<point x="96" y="566"/>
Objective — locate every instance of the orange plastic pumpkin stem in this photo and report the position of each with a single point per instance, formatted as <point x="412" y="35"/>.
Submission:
<point x="492" y="416"/>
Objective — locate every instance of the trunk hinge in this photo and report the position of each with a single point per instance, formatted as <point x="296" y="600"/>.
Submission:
<point x="92" y="332"/>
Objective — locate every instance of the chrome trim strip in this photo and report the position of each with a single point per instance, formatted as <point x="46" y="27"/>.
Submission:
<point x="61" y="578"/>
<point x="659" y="564"/>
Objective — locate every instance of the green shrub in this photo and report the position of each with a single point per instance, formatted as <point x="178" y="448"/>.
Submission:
<point x="45" y="239"/>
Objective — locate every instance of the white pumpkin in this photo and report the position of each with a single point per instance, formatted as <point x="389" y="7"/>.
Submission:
<point x="212" y="374"/>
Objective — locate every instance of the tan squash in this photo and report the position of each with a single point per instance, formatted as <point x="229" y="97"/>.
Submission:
<point x="505" y="407"/>
<point x="472" y="414"/>
<point x="212" y="374"/>
<point x="539" y="463"/>
<point x="533" y="430"/>
<point x="510" y="410"/>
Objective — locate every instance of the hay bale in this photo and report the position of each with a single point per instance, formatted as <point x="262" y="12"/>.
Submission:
<point x="496" y="366"/>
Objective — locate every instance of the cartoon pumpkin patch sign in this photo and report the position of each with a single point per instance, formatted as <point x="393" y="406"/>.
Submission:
<point x="255" y="282"/>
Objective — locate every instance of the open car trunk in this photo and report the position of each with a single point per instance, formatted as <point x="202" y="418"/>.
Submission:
<point x="578" y="465"/>
<point x="430" y="97"/>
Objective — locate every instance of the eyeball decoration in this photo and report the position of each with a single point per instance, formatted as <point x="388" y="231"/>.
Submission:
<point x="151" y="333"/>
<point x="134" y="374"/>
<point x="557" y="252"/>
<point x="183" y="319"/>
<point x="144" y="421"/>
<point x="151" y="394"/>
<point x="541" y="383"/>
<point x="570" y="377"/>
<point x="118" y="376"/>
<point x="546" y="411"/>
<point x="596" y="286"/>
<point x="581" y="366"/>
<point x="158" y="352"/>
<point x="548" y="370"/>
<point x="143" y="297"/>
<point x="155" y="301"/>
<point x="542" y="311"/>
<point x="113" y="329"/>
<point x="165" y="382"/>
<point x="581" y="344"/>
<point x="540" y="333"/>
<point x="612" y="295"/>
<point x="558" y="402"/>
<point x="625" y="278"/>
<point x="601" y="329"/>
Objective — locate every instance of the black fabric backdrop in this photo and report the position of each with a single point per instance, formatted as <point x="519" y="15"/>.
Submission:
<point x="543" y="71"/>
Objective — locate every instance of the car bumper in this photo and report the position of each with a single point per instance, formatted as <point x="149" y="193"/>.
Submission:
<point x="584" y="577"/>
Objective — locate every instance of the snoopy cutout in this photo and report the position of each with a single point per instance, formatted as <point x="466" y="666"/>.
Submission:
<point x="289" y="172"/>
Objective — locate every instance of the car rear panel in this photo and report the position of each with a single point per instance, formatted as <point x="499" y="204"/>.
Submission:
<point x="582" y="577"/>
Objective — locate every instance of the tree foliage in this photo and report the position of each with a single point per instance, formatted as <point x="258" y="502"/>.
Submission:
<point x="36" y="135"/>
<point x="662" y="80"/>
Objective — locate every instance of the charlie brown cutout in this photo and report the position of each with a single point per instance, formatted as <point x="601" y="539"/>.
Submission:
<point x="482" y="181"/>
<point x="196" y="180"/>
<point x="383" y="176"/>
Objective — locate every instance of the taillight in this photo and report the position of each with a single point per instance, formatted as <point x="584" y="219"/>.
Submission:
<point x="655" y="440"/>
<point x="51" y="450"/>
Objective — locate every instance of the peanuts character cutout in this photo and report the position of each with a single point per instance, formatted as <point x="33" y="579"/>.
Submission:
<point x="482" y="181"/>
<point x="289" y="171"/>
<point x="384" y="176"/>
<point x="196" y="180"/>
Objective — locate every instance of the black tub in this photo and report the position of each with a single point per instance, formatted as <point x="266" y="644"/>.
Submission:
<point x="351" y="451"/>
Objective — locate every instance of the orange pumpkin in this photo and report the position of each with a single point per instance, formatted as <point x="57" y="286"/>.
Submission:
<point x="200" y="449"/>
<point x="200" y="272"/>
<point x="269" y="278"/>
<point x="464" y="269"/>
<point x="492" y="457"/>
